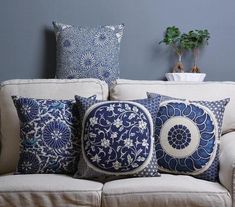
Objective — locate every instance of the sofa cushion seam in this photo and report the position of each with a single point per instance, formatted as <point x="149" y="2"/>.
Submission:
<point x="162" y="192"/>
<point x="57" y="83"/>
<point x="166" y="83"/>
<point x="70" y="191"/>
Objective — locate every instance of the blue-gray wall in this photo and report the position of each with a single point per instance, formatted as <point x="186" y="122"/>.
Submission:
<point x="27" y="43"/>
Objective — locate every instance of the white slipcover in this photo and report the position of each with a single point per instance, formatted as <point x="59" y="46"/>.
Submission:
<point x="165" y="191"/>
<point x="48" y="190"/>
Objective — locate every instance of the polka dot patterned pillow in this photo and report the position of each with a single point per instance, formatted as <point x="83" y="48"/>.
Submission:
<point x="187" y="136"/>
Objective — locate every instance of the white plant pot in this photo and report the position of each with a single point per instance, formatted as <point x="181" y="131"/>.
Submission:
<point x="193" y="77"/>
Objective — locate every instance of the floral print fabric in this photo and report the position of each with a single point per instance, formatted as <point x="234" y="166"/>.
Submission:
<point x="118" y="137"/>
<point x="88" y="52"/>
<point x="187" y="134"/>
<point x="126" y="143"/>
<point x="49" y="133"/>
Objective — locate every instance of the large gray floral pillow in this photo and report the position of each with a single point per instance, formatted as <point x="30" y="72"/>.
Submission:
<point x="88" y="52"/>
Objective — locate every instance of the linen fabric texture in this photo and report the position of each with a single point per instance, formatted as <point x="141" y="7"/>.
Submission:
<point x="88" y="52"/>
<point x="117" y="138"/>
<point x="169" y="190"/>
<point x="48" y="190"/>
<point x="187" y="136"/>
<point x="49" y="136"/>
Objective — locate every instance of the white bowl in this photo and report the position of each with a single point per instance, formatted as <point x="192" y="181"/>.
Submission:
<point x="194" y="77"/>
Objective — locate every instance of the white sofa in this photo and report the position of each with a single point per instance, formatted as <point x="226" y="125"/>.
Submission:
<point x="63" y="190"/>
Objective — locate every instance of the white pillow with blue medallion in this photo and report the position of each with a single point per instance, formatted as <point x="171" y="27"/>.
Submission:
<point x="49" y="135"/>
<point x="187" y="136"/>
<point x="118" y="139"/>
<point x="88" y="52"/>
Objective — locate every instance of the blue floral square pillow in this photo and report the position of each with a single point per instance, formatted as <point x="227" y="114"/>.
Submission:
<point x="88" y="52"/>
<point x="49" y="136"/>
<point x="187" y="136"/>
<point x="117" y="138"/>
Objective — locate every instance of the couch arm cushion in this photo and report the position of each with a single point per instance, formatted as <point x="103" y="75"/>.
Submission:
<point x="227" y="162"/>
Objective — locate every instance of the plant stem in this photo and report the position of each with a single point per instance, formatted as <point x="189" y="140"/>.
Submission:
<point x="178" y="52"/>
<point x="180" y="58"/>
<point x="195" y="55"/>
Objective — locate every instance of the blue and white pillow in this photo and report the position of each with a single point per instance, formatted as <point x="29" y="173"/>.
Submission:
<point x="49" y="136"/>
<point x="187" y="136"/>
<point x="117" y="138"/>
<point x="88" y="52"/>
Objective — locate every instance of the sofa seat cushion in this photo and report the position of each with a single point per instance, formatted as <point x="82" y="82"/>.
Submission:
<point x="48" y="190"/>
<point x="166" y="191"/>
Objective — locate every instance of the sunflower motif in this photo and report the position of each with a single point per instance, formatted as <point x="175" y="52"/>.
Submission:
<point x="27" y="109"/>
<point x="179" y="137"/>
<point x="101" y="39"/>
<point x="28" y="163"/>
<point x="87" y="60"/>
<point x="56" y="134"/>
<point x="104" y="72"/>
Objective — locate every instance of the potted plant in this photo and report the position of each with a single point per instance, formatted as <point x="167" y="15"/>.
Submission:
<point x="194" y="40"/>
<point x="172" y="38"/>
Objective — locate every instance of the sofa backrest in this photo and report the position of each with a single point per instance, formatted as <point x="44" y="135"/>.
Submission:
<point x="36" y="88"/>
<point x="135" y="89"/>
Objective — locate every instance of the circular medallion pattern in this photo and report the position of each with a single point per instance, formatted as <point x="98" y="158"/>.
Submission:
<point x="27" y="109"/>
<point x="117" y="137"/>
<point x="87" y="60"/>
<point x="102" y="38"/>
<point x="186" y="137"/>
<point x="56" y="134"/>
<point x="179" y="136"/>
<point x="28" y="163"/>
<point x="176" y="137"/>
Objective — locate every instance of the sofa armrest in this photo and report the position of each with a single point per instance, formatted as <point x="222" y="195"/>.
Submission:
<point x="227" y="163"/>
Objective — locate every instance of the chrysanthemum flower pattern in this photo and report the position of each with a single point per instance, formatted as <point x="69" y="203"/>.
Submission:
<point x="28" y="163"/>
<point x="88" y="52"/>
<point x="27" y="109"/>
<point x="56" y="134"/>
<point x="49" y="136"/>
<point x="87" y="60"/>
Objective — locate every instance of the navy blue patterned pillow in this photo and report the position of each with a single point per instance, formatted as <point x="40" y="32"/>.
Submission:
<point x="88" y="52"/>
<point x="50" y="136"/>
<point x="187" y="136"/>
<point x="117" y="138"/>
